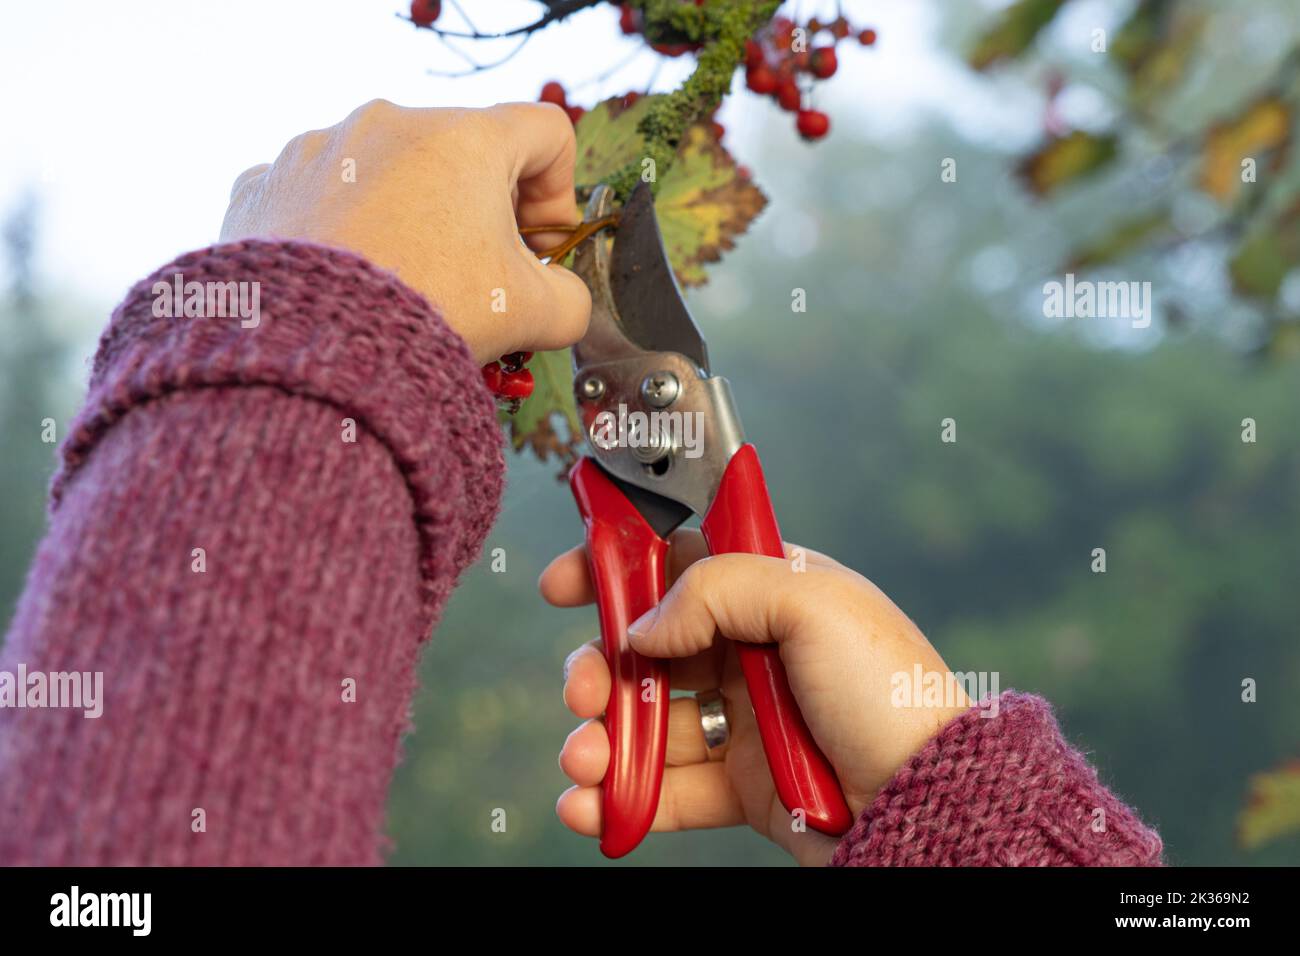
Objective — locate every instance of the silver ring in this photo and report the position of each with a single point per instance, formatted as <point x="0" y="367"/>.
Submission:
<point x="713" y="718"/>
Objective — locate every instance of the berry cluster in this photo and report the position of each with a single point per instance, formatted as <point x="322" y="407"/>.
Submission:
<point x="553" y="92"/>
<point x="631" y="21"/>
<point x="508" y="380"/>
<point x="778" y="56"/>
<point x="424" y="12"/>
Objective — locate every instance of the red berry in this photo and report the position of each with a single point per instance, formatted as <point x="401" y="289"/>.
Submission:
<point x="575" y="113"/>
<point x="813" y="124"/>
<point x="801" y="61"/>
<point x="867" y="37"/>
<point x="424" y="12"/>
<point x="753" y="54"/>
<point x="629" y="99"/>
<point x="744" y="172"/>
<point x="671" y="49"/>
<point x="553" y="92"/>
<point x="824" y="63"/>
<point x="761" y="80"/>
<point x="492" y="376"/>
<point x="840" y="28"/>
<point x="629" y="20"/>
<point x="517" y="384"/>
<point x="718" y="129"/>
<point x="788" y="95"/>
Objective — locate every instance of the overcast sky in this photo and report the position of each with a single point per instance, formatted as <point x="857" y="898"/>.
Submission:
<point x="132" y="119"/>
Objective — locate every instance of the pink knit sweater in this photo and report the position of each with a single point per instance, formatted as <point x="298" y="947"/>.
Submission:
<point x="252" y="532"/>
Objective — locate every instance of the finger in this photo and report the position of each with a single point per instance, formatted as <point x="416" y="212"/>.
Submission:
<point x="745" y="597"/>
<point x="586" y="682"/>
<point x="566" y="582"/>
<point x="543" y="154"/>
<point x="693" y="798"/>
<point x="584" y="758"/>
<point x="247" y="176"/>
<point x="686" y="735"/>
<point x="557" y="306"/>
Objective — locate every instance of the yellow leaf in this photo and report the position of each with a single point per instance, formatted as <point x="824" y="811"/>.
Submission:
<point x="1273" y="808"/>
<point x="1066" y="158"/>
<point x="1263" y="130"/>
<point x="703" y="204"/>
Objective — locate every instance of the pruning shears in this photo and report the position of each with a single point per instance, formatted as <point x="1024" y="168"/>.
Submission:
<point x="640" y="373"/>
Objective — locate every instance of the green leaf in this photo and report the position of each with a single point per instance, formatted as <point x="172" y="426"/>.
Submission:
<point x="608" y="138"/>
<point x="1065" y="159"/>
<point x="1017" y="27"/>
<point x="1273" y="807"/>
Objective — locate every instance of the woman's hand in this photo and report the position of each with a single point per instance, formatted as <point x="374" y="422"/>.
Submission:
<point x="438" y="196"/>
<point x="842" y="642"/>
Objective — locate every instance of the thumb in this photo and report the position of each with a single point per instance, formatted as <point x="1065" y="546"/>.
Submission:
<point x="744" y="597"/>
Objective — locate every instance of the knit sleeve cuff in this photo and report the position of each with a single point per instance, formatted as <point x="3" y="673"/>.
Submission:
<point x="320" y="323"/>
<point x="998" y="786"/>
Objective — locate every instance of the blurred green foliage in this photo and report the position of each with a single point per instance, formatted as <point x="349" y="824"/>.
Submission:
<point x="1062" y="447"/>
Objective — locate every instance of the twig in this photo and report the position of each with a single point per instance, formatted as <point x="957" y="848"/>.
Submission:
<point x="557" y="11"/>
<point x="475" y="66"/>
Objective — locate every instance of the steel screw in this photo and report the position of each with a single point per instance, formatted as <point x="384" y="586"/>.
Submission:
<point x="592" y="388"/>
<point x="661" y="389"/>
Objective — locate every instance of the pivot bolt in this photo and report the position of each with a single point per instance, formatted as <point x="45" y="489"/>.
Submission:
<point x="661" y="389"/>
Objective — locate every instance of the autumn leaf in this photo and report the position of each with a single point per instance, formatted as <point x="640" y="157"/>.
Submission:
<point x="1125" y="238"/>
<point x="1015" y="29"/>
<point x="1157" y="45"/>
<point x="1066" y="158"/>
<point x="703" y="203"/>
<point x="1262" y="132"/>
<point x="1283" y="344"/>
<point x="533" y="426"/>
<point x="1267" y="254"/>
<point x="1273" y="807"/>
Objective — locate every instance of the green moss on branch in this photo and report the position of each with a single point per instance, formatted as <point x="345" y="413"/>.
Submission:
<point x="722" y="26"/>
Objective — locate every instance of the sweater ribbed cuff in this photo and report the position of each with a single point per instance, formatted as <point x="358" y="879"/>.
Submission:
<point x="1004" y="790"/>
<point x="332" y="327"/>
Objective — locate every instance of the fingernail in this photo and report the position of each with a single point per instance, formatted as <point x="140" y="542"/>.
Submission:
<point x="644" y="624"/>
<point x="573" y="656"/>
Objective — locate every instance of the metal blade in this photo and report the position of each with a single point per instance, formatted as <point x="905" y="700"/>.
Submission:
<point x="650" y="306"/>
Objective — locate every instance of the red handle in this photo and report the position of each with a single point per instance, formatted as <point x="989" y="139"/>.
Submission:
<point x="741" y="519"/>
<point x="627" y="566"/>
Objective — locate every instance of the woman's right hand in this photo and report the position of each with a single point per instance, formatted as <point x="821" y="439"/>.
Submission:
<point x="842" y="641"/>
<point x="438" y="196"/>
